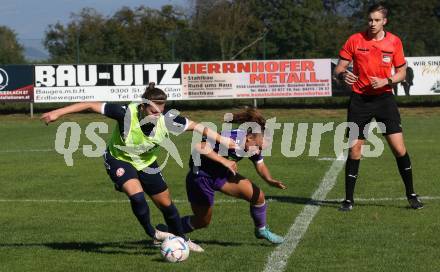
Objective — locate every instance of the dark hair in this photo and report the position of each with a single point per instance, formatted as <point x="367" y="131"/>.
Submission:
<point x="154" y="94"/>
<point x="249" y="115"/>
<point x="379" y="7"/>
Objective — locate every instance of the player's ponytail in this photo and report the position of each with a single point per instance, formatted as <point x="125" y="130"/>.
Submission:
<point x="249" y="115"/>
<point x="154" y="94"/>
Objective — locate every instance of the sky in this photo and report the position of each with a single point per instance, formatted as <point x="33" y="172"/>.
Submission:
<point x="30" y="18"/>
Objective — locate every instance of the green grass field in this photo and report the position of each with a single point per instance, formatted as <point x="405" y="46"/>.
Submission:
<point x="59" y="218"/>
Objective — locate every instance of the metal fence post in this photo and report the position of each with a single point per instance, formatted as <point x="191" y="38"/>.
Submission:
<point x="32" y="109"/>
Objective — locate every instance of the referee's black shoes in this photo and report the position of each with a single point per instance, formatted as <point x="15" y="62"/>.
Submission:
<point x="346" y="206"/>
<point x="414" y="202"/>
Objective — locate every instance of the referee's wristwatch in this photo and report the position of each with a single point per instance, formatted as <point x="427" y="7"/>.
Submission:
<point x="390" y="81"/>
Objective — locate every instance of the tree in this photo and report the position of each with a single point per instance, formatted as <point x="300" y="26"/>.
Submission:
<point x="82" y="39"/>
<point x="302" y="29"/>
<point x="11" y="52"/>
<point x="236" y="29"/>
<point x="152" y="34"/>
<point x="130" y="35"/>
<point x="225" y="27"/>
<point x="417" y="23"/>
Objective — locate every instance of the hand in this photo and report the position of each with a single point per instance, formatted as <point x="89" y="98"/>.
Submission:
<point x="278" y="184"/>
<point x="49" y="117"/>
<point x="378" y="82"/>
<point x="349" y="77"/>
<point x="230" y="143"/>
<point x="231" y="165"/>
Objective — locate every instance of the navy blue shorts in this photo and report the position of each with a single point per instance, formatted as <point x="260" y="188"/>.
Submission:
<point x="121" y="171"/>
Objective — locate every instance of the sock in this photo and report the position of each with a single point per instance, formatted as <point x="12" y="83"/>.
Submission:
<point x="351" y="173"/>
<point x="258" y="214"/>
<point x="186" y="224"/>
<point x="142" y="212"/>
<point x="405" y="170"/>
<point x="172" y="218"/>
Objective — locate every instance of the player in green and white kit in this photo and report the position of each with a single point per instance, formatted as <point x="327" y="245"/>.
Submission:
<point x="131" y="154"/>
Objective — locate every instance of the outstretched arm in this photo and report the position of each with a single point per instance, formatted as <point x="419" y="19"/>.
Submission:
<point x="52" y="116"/>
<point x="264" y="173"/>
<point x="211" y="134"/>
<point x="205" y="149"/>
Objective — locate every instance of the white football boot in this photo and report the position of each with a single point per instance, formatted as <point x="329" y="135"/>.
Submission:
<point x="194" y="247"/>
<point x="159" y="236"/>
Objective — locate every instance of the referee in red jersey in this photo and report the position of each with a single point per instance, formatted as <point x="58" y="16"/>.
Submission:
<point x="374" y="54"/>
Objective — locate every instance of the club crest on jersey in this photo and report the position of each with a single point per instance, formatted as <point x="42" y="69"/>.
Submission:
<point x="120" y="172"/>
<point x="386" y="59"/>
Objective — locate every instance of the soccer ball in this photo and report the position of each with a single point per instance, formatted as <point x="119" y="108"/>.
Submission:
<point x="174" y="249"/>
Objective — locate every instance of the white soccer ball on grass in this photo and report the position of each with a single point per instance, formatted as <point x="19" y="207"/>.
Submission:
<point x="174" y="249"/>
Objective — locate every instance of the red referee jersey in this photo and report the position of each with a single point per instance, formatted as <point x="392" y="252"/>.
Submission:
<point x="372" y="59"/>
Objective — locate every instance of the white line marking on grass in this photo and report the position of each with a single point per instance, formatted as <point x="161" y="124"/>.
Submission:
<point x="326" y="159"/>
<point x="91" y="201"/>
<point x="384" y="199"/>
<point x="26" y="150"/>
<point x="277" y="261"/>
<point x="61" y="201"/>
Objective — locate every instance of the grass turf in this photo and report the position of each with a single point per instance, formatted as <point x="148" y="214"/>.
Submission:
<point x="72" y="235"/>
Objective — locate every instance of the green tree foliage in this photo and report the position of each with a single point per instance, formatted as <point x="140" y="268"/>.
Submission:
<point x="228" y="27"/>
<point x="139" y="35"/>
<point x="82" y="38"/>
<point x="236" y="29"/>
<point x="302" y="29"/>
<point x="417" y="23"/>
<point x="11" y="52"/>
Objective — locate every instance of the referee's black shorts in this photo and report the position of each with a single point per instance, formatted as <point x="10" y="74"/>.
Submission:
<point x="121" y="171"/>
<point x="383" y="108"/>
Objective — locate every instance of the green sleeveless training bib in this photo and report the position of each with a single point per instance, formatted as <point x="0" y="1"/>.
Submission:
<point x="137" y="148"/>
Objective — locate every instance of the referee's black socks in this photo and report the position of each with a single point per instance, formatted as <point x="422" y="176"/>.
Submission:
<point x="351" y="173"/>
<point x="405" y="170"/>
